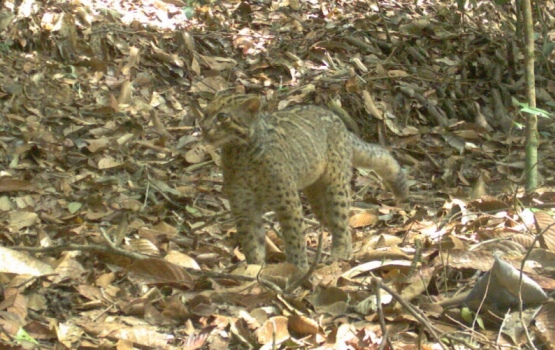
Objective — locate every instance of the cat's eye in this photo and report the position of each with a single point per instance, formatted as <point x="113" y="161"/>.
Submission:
<point x="222" y="117"/>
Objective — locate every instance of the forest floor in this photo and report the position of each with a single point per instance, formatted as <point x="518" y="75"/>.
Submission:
<point x="116" y="233"/>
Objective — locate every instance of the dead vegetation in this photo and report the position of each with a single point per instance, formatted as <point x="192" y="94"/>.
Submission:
<point x="115" y="231"/>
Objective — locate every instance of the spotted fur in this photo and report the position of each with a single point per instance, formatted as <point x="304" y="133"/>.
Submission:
<point x="268" y="158"/>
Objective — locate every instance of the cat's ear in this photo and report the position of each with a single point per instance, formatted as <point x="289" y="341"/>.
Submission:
<point x="251" y="105"/>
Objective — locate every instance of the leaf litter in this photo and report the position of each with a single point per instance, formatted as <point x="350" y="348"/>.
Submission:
<point x="116" y="233"/>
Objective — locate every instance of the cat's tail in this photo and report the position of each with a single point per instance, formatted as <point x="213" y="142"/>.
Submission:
<point x="378" y="159"/>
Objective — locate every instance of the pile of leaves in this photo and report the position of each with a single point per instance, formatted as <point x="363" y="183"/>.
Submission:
<point x="115" y="230"/>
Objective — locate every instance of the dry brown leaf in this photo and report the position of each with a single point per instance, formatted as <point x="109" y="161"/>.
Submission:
<point x="108" y="163"/>
<point x="143" y="335"/>
<point x="545" y="323"/>
<point x="126" y="91"/>
<point x="332" y="300"/>
<point x="395" y="73"/>
<point x="144" y="246"/>
<point x="68" y="333"/>
<point x="79" y="161"/>
<point x="460" y="259"/>
<point x="8" y="184"/>
<point x="273" y="331"/>
<point x="21" y="219"/>
<point x="68" y="267"/>
<point x="373" y="265"/>
<point x="98" y="145"/>
<point x="364" y="218"/>
<point x="218" y="63"/>
<point x="181" y="259"/>
<point x="162" y="271"/>
<point x="370" y="105"/>
<point x="15" y="303"/>
<point x="546" y="224"/>
<point x="303" y="325"/>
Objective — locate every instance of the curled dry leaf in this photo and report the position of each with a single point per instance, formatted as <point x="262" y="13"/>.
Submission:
<point x="546" y="224"/>
<point x="182" y="259"/>
<point x="364" y="218"/>
<point x="303" y="325"/>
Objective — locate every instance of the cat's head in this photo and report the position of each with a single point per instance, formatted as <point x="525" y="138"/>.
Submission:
<point x="229" y="119"/>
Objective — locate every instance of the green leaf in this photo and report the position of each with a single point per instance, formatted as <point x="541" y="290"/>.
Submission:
<point x="533" y="110"/>
<point x="189" y="12"/>
<point x="74" y="207"/>
<point x="480" y="322"/>
<point x="467" y="315"/>
<point x="192" y="210"/>
<point x="519" y="126"/>
<point x="24" y="336"/>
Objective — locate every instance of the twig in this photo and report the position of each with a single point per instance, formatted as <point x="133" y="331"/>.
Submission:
<point x="81" y="247"/>
<point x="424" y="320"/>
<point x="377" y="282"/>
<point x="197" y="166"/>
<point x="211" y="220"/>
<point x="434" y="111"/>
<point x="539" y="238"/>
<point x="303" y="278"/>
<point x="162" y="193"/>
<point x="430" y="158"/>
<point x="384" y="22"/>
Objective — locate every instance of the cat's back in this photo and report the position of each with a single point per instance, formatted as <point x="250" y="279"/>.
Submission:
<point x="309" y="126"/>
<point x="308" y="116"/>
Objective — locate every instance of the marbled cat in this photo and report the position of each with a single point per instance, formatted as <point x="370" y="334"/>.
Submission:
<point x="268" y="158"/>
